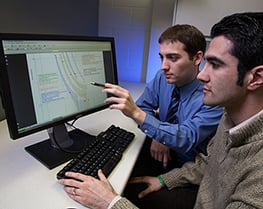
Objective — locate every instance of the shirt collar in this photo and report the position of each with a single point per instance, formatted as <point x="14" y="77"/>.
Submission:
<point x="235" y="128"/>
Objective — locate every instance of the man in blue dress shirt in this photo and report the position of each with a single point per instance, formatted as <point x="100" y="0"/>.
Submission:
<point x="181" y="51"/>
<point x="171" y="143"/>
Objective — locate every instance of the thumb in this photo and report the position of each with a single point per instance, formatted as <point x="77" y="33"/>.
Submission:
<point x="144" y="192"/>
<point x="101" y="175"/>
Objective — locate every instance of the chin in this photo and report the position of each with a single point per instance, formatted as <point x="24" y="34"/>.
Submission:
<point x="208" y="101"/>
<point x="170" y="81"/>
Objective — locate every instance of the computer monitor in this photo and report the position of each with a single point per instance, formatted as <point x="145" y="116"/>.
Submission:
<point x="46" y="83"/>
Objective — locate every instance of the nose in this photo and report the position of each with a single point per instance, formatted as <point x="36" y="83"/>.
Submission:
<point x="164" y="65"/>
<point x="203" y="75"/>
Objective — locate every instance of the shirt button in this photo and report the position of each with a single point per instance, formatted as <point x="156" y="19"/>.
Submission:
<point x="145" y="131"/>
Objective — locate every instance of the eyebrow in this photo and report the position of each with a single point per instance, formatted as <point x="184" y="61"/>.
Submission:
<point x="169" y="54"/>
<point x="214" y="59"/>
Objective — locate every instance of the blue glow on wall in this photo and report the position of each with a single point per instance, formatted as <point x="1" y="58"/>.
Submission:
<point x="129" y="52"/>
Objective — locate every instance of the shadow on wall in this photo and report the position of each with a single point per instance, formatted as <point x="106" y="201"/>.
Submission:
<point x="2" y="113"/>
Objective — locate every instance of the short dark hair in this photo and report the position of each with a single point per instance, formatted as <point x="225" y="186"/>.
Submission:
<point x="245" y="31"/>
<point x="190" y="36"/>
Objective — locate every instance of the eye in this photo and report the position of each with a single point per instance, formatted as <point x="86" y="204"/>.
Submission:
<point x="215" y="65"/>
<point x="173" y="57"/>
<point x="215" y="62"/>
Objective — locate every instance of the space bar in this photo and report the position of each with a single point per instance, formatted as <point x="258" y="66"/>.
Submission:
<point x="110" y="165"/>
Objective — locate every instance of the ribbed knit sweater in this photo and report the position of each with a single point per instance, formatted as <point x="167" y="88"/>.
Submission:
<point x="230" y="176"/>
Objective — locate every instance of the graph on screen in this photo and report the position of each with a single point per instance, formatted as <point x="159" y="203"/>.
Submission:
<point x="60" y="82"/>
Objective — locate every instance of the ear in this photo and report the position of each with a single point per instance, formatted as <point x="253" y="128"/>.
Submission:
<point x="198" y="58"/>
<point x="255" y="79"/>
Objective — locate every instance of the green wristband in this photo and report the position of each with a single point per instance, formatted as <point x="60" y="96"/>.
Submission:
<point x="161" y="181"/>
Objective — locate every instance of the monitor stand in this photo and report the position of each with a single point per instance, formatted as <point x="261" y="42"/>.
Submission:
<point x="61" y="146"/>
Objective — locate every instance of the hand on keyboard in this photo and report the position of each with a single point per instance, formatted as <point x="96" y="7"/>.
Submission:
<point x="103" y="153"/>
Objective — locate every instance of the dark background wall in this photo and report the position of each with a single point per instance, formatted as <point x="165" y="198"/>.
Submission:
<point x="49" y="16"/>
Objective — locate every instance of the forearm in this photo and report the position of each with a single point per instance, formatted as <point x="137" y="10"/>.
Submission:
<point x="190" y="173"/>
<point x="138" y="115"/>
<point x="181" y="138"/>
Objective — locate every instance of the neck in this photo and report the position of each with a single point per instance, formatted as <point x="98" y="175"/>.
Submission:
<point x="246" y="109"/>
<point x="187" y="80"/>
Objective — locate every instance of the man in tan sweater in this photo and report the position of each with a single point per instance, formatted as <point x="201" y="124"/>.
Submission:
<point x="231" y="175"/>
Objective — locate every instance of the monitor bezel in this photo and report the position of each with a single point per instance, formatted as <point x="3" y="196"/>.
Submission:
<point x="6" y="91"/>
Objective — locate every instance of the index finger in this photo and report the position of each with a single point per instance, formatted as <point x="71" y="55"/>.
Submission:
<point x="73" y="179"/>
<point x="115" y="89"/>
<point x="109" y="85"/>
<point x="136" y="180"/>
<point x="76" y="176"/>
<point x="165" y="161"/>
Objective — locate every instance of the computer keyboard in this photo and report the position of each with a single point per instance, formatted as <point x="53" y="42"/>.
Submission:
<point x="104" y="153"/>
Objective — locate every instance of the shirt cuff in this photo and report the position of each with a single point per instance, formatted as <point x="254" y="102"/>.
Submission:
<point x="115" y="199"/>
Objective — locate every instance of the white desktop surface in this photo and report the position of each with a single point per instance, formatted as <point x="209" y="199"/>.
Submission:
<point x="25" y="183"/>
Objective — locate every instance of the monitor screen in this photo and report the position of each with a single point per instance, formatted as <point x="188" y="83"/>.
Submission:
<point x="46" y="82"/>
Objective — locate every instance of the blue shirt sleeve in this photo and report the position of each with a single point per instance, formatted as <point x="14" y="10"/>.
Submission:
<point x="197" y="122"/>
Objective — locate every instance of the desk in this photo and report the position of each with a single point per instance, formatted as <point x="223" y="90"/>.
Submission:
<point x="27" y="184"/>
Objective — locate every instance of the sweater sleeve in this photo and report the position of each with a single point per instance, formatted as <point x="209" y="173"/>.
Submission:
<point x="190" y="173"/>
<point x="239" y="205"/>
<point x="124" y="203"/>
